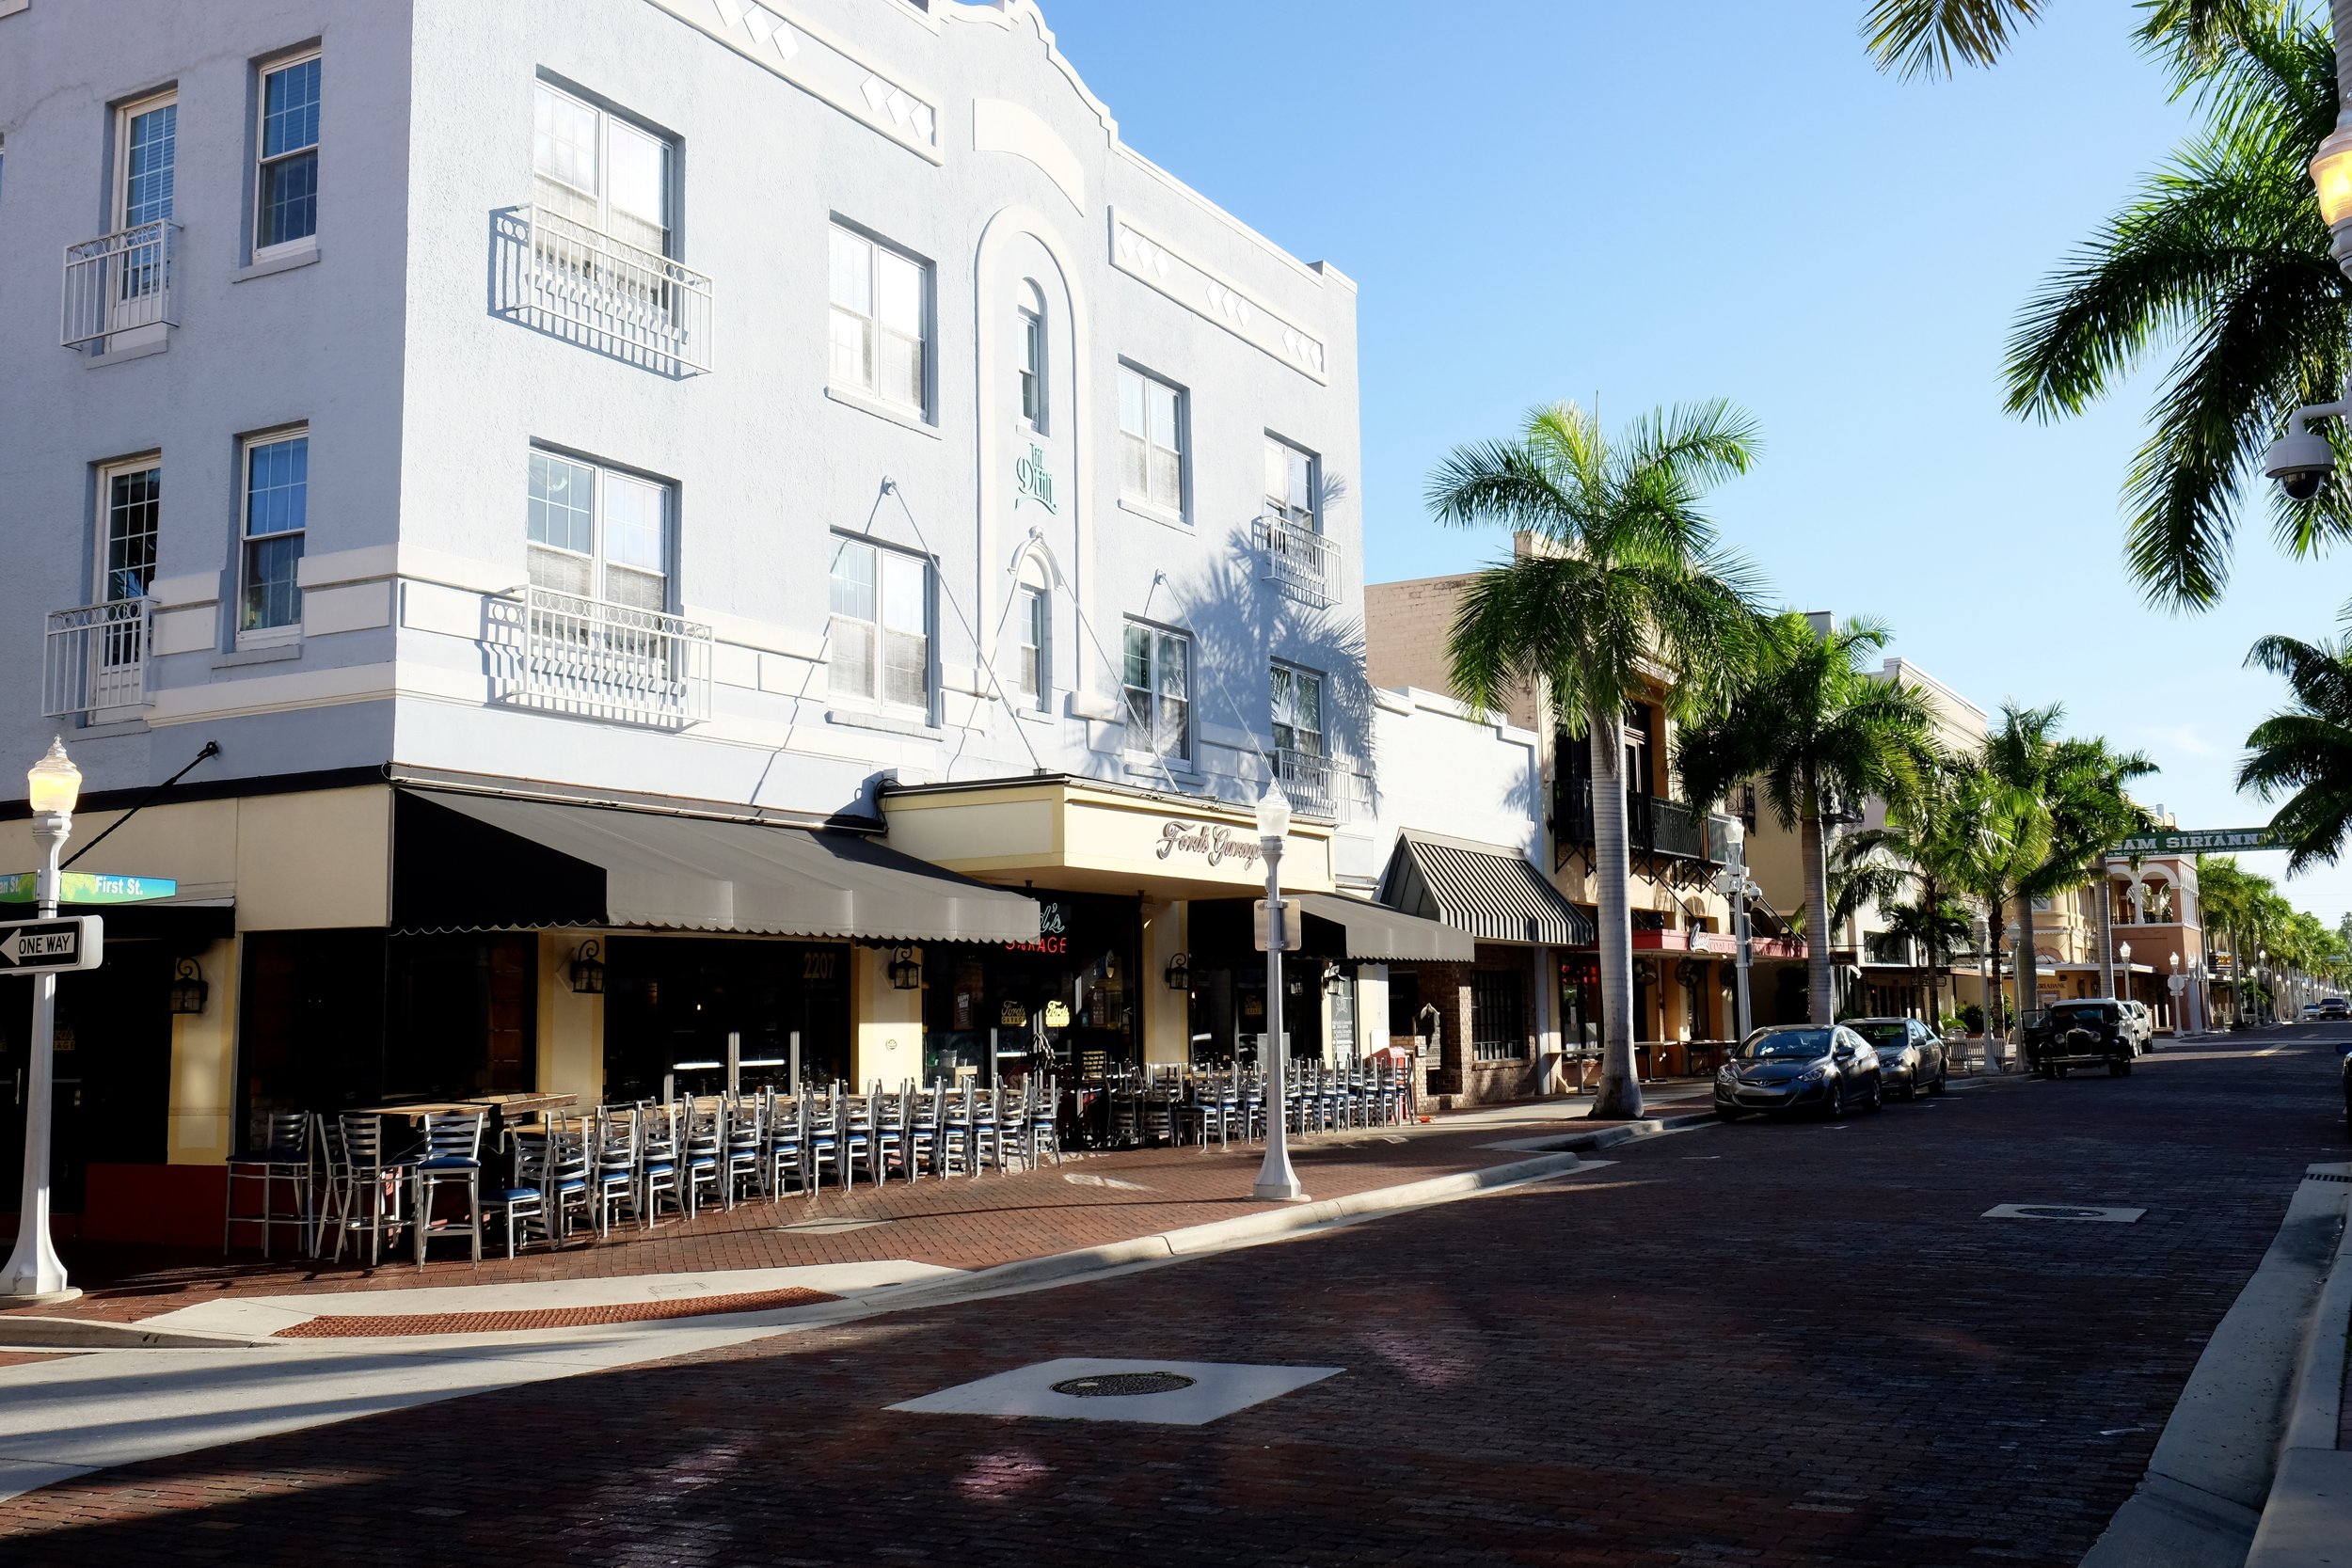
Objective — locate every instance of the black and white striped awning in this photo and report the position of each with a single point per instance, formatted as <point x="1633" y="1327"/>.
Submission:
<point x="1490" y="892"/>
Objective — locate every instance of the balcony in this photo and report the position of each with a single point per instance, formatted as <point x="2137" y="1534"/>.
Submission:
<point x="1317" y="785"/>
<point x="594" y="659"/>
<point x="1303" y="565"/>
<point x="1656" y="828"/>
<point x="94" y="659"/>
<point x="558" y="275"/>
<point x="119" y="283"/>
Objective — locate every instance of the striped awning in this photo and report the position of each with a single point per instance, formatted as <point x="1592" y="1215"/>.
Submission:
<point x="1490" y="892"/>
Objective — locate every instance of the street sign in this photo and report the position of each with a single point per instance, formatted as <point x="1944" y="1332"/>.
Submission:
<point x="43" y="946"/>
<point x="1293" y="932"/>
<point x="2179" y="842"/>
<point x="2180" y="983"/>
<point x="87" y="887"/>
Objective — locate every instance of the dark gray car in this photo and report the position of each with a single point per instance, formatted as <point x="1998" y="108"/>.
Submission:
<point x="1911" y="1054"/>
<point x="1800" y="1067"/>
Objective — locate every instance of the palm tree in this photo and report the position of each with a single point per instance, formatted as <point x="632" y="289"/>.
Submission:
<point x="1815" y="726"/>
<point x="1935" y="844"/>
<point x="1930" y="38"/>
<point x="2224" y="251"/>
<point x="1627" y="575"/>
<point x="2307" y="749"/>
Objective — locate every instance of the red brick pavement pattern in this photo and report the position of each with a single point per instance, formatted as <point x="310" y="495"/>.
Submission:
<point x="958" y="1223"/>
<point x="348" y="1327"/>
<point x="1775" y="1345"/>
<point x="16" y="1358"/>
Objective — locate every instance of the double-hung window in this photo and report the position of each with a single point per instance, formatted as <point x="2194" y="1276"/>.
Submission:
<point x="599" y="533"/>
<point x="1298" y="711"/>
<point x="879" y="642"/>
<point x="1150" y="441"/>
<point x="286" y="146"/>
<point x="1290" y="487"/>
<point x="1030" y="324"/>
<point x="1158" y="681"/>
<point x="277" y="515"/>
<point x="1033" y="610"/>
<point x="1498" y="1016"/>
<point x="880" y="306"/>
<point x="598" y="169"/>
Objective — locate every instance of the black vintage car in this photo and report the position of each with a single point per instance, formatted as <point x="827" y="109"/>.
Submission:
<point x="2072" y="1035"/>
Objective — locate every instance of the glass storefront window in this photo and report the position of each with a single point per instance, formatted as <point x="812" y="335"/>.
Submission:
<point x="1064" y="1005"/>
<point x="671" y="1000"/>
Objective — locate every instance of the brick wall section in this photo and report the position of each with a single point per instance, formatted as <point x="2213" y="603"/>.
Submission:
<point x="1452" y="1077"/>
<point x="1405" y="627"/>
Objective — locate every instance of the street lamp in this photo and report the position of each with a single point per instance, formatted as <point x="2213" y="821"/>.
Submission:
<point x="1987" y="1003"/>
<point x="35" y="1273"/>
<point x="1733" y="881"/>
<point x="1276" y="1181"/>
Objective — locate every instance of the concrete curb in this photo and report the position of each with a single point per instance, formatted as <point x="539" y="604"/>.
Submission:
<point x="26" y="1332"/>
<point x="2202" y="1500"/>
<point x="2307" y="1521"/>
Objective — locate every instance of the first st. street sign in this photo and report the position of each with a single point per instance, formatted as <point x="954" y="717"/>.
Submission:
<point x="34" y="946"/>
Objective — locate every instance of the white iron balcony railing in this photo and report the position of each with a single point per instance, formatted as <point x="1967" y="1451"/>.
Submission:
<point x="596" y="660"/>
<point x="1302" y="563"/>
<point x="579" y="284"/>
<point x="1317" y="785"/>
<point x="119" y="282"/>
<point x="94" y="659"/>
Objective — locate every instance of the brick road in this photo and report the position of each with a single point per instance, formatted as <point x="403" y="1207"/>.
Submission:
<point x="1761" y="1344"/>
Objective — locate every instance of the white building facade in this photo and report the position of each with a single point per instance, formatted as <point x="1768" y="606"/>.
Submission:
<point x="540" y="446"/>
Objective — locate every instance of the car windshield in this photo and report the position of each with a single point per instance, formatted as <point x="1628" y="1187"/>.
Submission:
<point x="2097" y="1012"/>
<point x="1805" y="1043"/>
<point x="1883" y="1034"/>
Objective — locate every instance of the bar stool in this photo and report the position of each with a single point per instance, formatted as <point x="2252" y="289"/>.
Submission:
<point x="285" y="1154"/>
<point x="452" y="1155"/>
<point x="369" y="1196"/>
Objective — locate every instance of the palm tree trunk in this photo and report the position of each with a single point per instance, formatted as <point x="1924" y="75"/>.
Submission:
<point x="1816" y="967"/>
<point x="1995" y="936"/>
<point x="2029" y="974"/>
<point x="1618" y="1096"/>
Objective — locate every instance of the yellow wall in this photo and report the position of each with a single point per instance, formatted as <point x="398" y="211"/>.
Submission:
<point x="886" y="1039"/>
<point x="203" y="1093"/>
<point x="1166" y="1018"/>
<point x="571" y="1026"/>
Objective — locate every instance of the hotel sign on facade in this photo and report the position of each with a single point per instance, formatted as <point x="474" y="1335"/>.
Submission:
<point x="2208" y="841"/>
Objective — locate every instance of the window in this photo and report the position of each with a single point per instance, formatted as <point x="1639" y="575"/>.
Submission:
<point x="599" y="533"/>
<point x="277" y="512"/>
<point x="881" y="627"/>
<point x="1290" y="487"/>
<point x="1158" y="681"/>
<point x="286" y="184"/>
<point x="1498" y="1031"/>
<point x="878" y="310"/>
<point x="1297" y="710"/>
<point x="1034" y="609"/>
<point x="148" y="136"/>
<point x="1150" y="441"/>
<point x="598" y="169"/>
<point x="1032" y="328"/>
<point x="131" y="507"/>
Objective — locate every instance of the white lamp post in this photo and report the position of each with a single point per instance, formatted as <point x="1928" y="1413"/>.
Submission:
<point x="35" y="1274"/>
<point x="1733" y="881"/>
<point x="1987" y="1004"/>
<point x="1276" y="1181"/>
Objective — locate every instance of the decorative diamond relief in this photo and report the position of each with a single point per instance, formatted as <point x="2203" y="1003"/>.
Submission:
<point x="730" y="12"/>
<point x="924" y="123"/>
<point x="877" y="92"/>
<point x="901" y="109"/>
<point x="758" y="23"/>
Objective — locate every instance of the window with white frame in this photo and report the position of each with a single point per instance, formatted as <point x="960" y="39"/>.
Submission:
<point x="879" y="307"/>
<point x="286" y="149"/>
<point x="594" y="168"/>
<point x="147" y="159"/>
<point x="129" y="510"/>
<point x="1033" y="610"/>
<point x="1297" y="710"/>
<point x="598" y="532"/>
<point x="1290" y="487"/>
<point x="879" y="637"/>
<point x="1158" y="681"/>
<point x="277" y="470"/>
<point x="1150" y="441"/>
<point x="1029" y="322"/>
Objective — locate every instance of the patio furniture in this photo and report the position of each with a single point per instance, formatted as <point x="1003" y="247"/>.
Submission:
<point x="452" y="1157"/>
<point x="285" y="1152"/>
<point x="369" y="1196"/>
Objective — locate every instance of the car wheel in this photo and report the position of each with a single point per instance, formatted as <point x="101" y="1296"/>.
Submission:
<point x="1937" y="1087"/>
<point x="1878" y="1096"/>
<point x="1834" y="1106"/>
<point x="2059" y="1071"/>
<point x="2120" y="1067"/>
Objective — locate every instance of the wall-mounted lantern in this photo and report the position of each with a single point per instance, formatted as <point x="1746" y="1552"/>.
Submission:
<point x="1179" y="972"/>
<point x="905" y="973"/>
<point x="188" y="988"/>
<point x="588" y="969"/>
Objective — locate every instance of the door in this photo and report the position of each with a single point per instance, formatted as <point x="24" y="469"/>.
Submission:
<point x="130" y="515"/>
<point x="147" y="144"/>
<point x="111" y="1067"/>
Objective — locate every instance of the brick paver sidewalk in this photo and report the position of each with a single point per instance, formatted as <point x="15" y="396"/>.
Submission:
<point x="958" y="1223"/>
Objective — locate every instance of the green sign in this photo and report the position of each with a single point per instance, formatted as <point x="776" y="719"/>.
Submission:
<point x="2185" y="843"/>
<point x="1034" y="479"/>
<point x="87" y="887"/>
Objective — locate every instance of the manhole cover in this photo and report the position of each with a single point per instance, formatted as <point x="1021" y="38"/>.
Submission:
<point x="2096" y="1214"/>
<point x="1109" y="1384"/>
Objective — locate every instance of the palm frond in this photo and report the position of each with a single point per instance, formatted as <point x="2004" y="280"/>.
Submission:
<point x="1932" y="37"/>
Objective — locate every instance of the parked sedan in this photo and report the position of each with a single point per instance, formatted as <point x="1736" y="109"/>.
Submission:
<point x="1911" y="1054"/>
<point x="1800" y="1067"/>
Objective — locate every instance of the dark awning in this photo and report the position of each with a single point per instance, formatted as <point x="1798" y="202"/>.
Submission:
<point x="477" y="862"/>
<point x="1490" y="892"/>
<point x="1378" y="932"/>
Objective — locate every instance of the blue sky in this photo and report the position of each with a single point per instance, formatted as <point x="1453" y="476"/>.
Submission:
<point x="1690" y="198"/>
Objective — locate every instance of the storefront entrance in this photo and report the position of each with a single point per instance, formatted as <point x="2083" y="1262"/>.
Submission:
<point x="112" y="1065"/>
<point x="673" y="1000"/>
<point x="1065" y="1003"/>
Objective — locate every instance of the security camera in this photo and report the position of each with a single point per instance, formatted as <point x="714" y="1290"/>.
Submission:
<point x="2300" y="461"/>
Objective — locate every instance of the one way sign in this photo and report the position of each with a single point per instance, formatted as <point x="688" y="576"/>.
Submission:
<point x="32" y="946"/>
